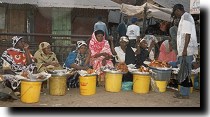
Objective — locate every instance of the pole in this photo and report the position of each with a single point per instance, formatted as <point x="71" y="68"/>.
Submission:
<point x="144" y="21"/>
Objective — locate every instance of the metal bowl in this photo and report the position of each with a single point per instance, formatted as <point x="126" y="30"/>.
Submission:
<point x="114" y="72"/>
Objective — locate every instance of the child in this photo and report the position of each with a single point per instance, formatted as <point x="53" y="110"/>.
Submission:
<point x="143" y="51"/>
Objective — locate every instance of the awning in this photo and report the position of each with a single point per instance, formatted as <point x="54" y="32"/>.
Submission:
<point x="152" y="11"/>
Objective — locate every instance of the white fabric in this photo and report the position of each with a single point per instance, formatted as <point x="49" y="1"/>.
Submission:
<point x="120" y="54"/>
<point x="187" y="25"/>
<point x="133" y="31"/>
<point x="166" y="43"/>
<point x="152" y="11"/>
<point x="124" y="38"/>
<point x="149" y="39"/>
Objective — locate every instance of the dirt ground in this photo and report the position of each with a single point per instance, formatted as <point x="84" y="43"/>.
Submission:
<point x="103" y="98"/>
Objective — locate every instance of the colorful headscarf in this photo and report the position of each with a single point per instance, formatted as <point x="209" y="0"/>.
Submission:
<point x="96" y="46"/>
<point x="80" y="43"/>
<point x="124" y="38"/>
<point x="43" y="45"/>
<point x="15" y="40"/>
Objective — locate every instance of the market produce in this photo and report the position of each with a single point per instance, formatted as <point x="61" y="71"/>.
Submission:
<point x="90" y="71"/>
<point x="122" y="67"/>
<point x="25" y="74"/>
<point x="160" y="64"/>
<point x="143" y="69"/>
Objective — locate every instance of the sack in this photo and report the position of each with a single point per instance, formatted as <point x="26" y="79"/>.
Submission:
<point x="6" y="94"/>
<point x="154" y="85"/>
<point x="183" y="71"/>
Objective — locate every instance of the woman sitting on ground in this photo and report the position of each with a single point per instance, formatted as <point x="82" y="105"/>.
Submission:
<point x="79" y="60"/>
<point x="45" y="58"/>
<point x="16" y="60"/>
<point x="100" y="54"/>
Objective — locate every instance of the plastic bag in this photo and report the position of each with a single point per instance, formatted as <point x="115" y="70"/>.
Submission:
<point x="6" y="94"/>
<point x="183" y="71"/>
<point x="154" y="85"/>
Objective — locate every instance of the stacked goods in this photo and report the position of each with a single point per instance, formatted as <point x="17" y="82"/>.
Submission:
<point x="122" y="67"/>
<point x="90" y="71"/>
<point x="25" y="74"/>
<point x="159" y="64"/>
<point x="143" y="69"/>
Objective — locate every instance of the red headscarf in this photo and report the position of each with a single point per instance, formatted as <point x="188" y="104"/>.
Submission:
<point x="96" y="46"/>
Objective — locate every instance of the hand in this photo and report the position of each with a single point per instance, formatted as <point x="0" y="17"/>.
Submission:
<point x="184" y="53"/>
<point x="85" y="68"/>
<point x="104" y="62"/>
<point x="54" y="63"/>
<point x="104" y="54"/>
<point x="153" y="42"/>
<point x="111" y="38"/>
<point x="25" y="46"/>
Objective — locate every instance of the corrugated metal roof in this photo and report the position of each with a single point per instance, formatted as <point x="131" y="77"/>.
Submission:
<point x="93" y="4"/>
<point x="171" y="3"/>
<point x="33" y="2"/>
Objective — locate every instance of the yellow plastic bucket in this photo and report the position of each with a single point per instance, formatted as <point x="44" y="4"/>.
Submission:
<point x="113" y="82"/>
<point x="161" y="85"/>
<point x="87" y="85"/>
<point x="58" y="85"/>
<point x="30" y="91"/>
<point x="141" y="83"/>
<point x="191" y="88"/>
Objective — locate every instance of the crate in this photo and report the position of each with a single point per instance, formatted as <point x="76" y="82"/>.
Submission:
<point x="161" y="75"/>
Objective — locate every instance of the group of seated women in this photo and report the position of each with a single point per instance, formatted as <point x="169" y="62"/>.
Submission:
<point x="97" y="53"/>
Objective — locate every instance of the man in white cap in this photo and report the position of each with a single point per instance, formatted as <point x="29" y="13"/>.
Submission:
<point x="186" y="47"/>
<point x="133" y="32"/>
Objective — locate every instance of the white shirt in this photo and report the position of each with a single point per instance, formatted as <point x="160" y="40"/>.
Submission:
<point x="133" y="31"/>
<point x="187" y="26"/>
<point x="120" y="54"/>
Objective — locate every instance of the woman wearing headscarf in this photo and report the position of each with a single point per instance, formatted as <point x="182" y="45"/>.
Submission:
<point x="167" y="54"/>
<point x="79" y="60"/>
<point x="100" y="53"/>
<point x="17" y="59"/>
<point x="45" y="58"/>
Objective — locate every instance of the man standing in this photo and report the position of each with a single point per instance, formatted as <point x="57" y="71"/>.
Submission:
<point x="101" y="26"/>
<point x="133" y="33"/>
<point x="122" y="28"/>
<point x="186" y="46"/>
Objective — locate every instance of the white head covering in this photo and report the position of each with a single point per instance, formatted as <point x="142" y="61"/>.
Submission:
<point x="80" y="43"/>
<point x="124" y="38"/>
<point x="15" y="40"/>
<point x="143" y="40"/>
